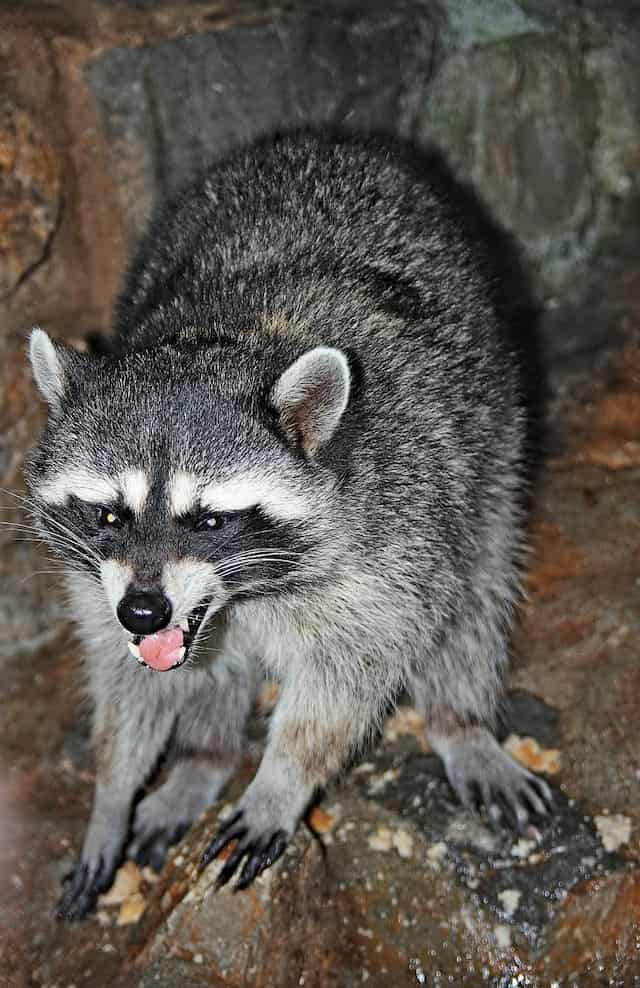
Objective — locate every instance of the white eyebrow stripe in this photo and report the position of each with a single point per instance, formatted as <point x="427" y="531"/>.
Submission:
<point x="241" y="494"/>
<point x="88" y="486"/>
<point x="184" y="489"/>
<point x="134" y="484"/>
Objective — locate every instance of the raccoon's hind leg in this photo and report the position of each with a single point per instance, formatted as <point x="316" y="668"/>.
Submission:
<point x="207" y="743"/>
<point x="481" y="773"/>
<point x="485" y="777"/>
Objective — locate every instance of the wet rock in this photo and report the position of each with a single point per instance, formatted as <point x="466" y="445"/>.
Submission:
<point x="597" y="934"/>
<point x="405" y="886"/>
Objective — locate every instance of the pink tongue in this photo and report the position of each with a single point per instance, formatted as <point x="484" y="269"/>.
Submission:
<point x="162" y="650"/>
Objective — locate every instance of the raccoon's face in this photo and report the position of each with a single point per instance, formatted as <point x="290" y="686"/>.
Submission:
<point x="181" y="481"/>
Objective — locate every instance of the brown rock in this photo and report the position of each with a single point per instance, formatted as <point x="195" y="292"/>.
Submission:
<point x="598" y="931"/>
<point x="30" y="199"/>
<point x="29" y="613"/>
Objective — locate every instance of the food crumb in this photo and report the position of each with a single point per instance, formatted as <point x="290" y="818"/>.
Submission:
<point x="403" y="843"/>
<point x="321" y="821"/>
<point x="614" y="830"/>
<point x="131" y="909"/>
<point x="436" y="854"/>
<point x="523" y="848"/>
<point x="407" y="722"/>
<point x="509" y="899"/>
<point x="382" y="840"/>
<point x="127" y="881"/>
<point x="528" y="752"/>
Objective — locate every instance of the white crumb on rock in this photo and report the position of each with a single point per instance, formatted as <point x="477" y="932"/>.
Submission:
<point x="436" y="854"/>
<point x="509" y="899"/>
<point x="126" y="882"/>
<point x="614" y="830"/>
<point x="502" y="934"/>
<point x="385" y="839"/>
<point x="381" y="840"/>
<point x="379" y="782"/>
<point x="403" y="843"/>
<point x="523" y="848"/>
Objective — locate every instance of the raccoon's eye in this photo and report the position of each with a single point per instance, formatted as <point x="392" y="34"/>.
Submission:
<point x="108" y="518"/>
<point x="209" y="522"/>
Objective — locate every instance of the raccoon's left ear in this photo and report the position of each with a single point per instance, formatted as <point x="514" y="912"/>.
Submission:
<point x="311" y="397"/>
<point x="51" y="364"/>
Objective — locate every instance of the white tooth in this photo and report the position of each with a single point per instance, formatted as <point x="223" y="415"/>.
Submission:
<point x="135" y="651"/>
<point x="182" y="651"/>
<point x="184" y="624"/>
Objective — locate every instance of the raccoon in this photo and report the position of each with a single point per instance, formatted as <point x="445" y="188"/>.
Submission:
<point x="303" y="457"/>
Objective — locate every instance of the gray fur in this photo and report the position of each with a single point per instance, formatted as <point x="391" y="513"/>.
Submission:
<point x="400" y="456"/>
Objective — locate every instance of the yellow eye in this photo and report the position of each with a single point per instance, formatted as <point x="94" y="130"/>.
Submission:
<point x="108" y="518"/>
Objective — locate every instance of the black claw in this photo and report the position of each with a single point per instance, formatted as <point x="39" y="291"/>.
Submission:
<point x="275" y="849"/>
<point x="231" y="864"/>
<point x="81" y="890"/>
<point x="158" y="854"/>
<point x="507" y="809"/>
<point x="475" y="796"/>
<point x="542" y="791"/>
<point x="535" y="816"/>
<point x="143" y="853"/>
<point x="226" y="833"/>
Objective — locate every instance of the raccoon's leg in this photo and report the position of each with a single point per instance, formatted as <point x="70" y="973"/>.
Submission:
<point x="129" y="734"/>
<point x="316" y="725"/>
<point x="481" y="773"/>
<point x="484" y="776"/>
<point x="207" y="739"/>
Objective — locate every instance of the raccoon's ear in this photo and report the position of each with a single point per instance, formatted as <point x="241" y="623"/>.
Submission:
<point x="312" y="395"/>
<point x="50" y="363"/>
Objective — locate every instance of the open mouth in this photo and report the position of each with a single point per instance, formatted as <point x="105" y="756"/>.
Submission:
<point x="169" y="648"/>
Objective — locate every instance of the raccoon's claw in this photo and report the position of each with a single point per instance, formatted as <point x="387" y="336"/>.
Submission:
<point x="487" y="779"/>
<point x="152" y="849"/>
<point x="82" y="887"/>
<point x="521" y="807"/>
<point x="260" y="851"/>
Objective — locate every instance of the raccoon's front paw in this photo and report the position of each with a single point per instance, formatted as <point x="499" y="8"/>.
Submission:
<point x="81" y="888"/>
<point x="486" y="778"/>
<point x="259" y="845"/>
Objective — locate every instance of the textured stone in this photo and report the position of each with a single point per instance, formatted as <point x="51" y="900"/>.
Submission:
<point x="170" y="107"/>
<point x="30" y="171"/>
<point x="522" y="136"/>
<point x="610" y="908"/>
<point x="401" y="862"/>
<point x="30" y="198"/>
<point x="30" y="613"/>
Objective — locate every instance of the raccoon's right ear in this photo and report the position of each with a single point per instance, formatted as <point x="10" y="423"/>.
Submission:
<point x="51" y="365"/>
<point x="311" y="397"/>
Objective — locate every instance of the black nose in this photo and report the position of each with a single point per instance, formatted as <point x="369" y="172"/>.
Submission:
<point x="144" y="613"/>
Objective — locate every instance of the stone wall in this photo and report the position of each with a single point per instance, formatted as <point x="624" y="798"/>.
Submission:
<point x="108" y="106"/>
